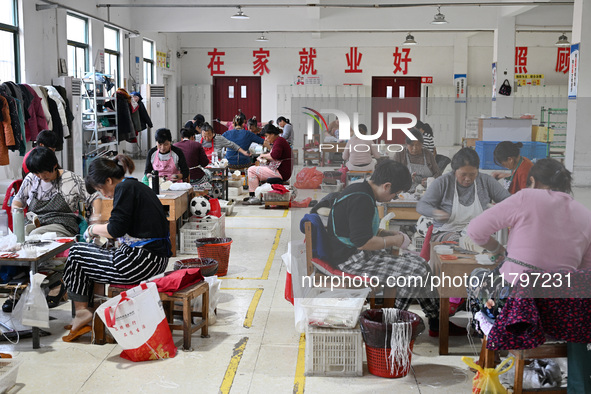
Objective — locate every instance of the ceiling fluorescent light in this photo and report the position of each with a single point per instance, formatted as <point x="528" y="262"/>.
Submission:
<point x="240" y="14"/>
<point x="562" y="41"/>
<point x="410" y="40"/>
<point x="439" y="18"/>
<point x="262" y="38"/>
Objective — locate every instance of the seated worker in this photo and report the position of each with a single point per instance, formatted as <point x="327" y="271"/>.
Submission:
<point x="331" y="134"/>
<point x="212" y="142"/>
<point x="53" y="195"/>
<point x="194" y="155"/>
<point x="46" y="138"/>
<point x="358" y="247"/>
<point x="167" y="159"/>
<point x="279" y="163"/>
<point x="419" y="161"/>
<point x="507" y="154"/>
<point x="428" y="140"/>
<point x="256" y="127"/>
<point x="361" y="155"/>
<point x="459" y="196"/>
<point x="287" y="128"/>
<point x="137" y="221"/>
<point x="195" y="124"/>
<point x="243" y="138"/>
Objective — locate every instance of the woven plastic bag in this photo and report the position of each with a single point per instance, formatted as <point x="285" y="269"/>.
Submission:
<point x="487" y="380"/>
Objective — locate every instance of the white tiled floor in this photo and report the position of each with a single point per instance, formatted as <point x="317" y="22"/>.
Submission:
<point x="269" y="362"/>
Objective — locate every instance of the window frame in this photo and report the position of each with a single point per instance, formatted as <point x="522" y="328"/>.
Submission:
<point x="14" y="29"/>
<point x="116" y="53"/>
<point x="148" y="61"/>
<point x="83" y="45"/>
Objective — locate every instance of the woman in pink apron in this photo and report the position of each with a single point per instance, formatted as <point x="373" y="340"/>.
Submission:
<point x="167" y="159"/>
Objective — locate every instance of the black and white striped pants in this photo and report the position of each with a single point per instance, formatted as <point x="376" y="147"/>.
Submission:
<point x="88" y="264"/>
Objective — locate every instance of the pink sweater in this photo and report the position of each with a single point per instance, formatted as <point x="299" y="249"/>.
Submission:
<point x="548" y="229"/>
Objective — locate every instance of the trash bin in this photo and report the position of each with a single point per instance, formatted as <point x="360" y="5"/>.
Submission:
<point x="377" y="336"/>
<point x="217" y="249"/>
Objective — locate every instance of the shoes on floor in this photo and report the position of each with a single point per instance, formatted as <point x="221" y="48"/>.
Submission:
<point x="9" y="305"/>
<point x="77" y="334"/>
<point x="455" y="307"/>
<point x="53" y="301"/>
<point x="252" y="201"/>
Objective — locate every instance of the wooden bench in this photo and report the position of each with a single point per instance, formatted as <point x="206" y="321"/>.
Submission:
<point x="184" y="296"/>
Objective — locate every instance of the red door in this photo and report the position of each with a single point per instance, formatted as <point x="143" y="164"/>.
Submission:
<point x="394" y="94"/>
<point x="231" y="94"/>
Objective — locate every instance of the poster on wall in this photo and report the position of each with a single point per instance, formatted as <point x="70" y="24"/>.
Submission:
<point x="494" y="81"/>
<point x="307" y="80"/>
<point x="573" y="72"/>
<point x="460" y="82"/>
<point x="161" y="59"/>
<point x="529" y="79"/>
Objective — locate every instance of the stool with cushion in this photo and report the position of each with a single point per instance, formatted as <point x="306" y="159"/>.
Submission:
<point x="319" y="267"/>
<point x="276" y="181"/>
<point x="184" y="296"/>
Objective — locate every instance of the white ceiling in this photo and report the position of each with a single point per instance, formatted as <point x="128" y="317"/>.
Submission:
<point x="317" y="16"/>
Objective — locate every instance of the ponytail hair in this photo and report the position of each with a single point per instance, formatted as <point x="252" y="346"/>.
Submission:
<point x="253" y="121"/>
<point x="283" y="118"/>
<point x="238" y="120"/>
<point x="551" y="173"/>
<point x="506" y="149"/>
<point x="103" y="168"/>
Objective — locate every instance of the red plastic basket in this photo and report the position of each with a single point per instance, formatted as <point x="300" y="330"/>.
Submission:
<point x="217" y="249"/>
<point x="378" y="362"/>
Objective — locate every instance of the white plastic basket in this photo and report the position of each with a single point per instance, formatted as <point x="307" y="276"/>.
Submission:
<point x="334" y="352"/>
<point x="268" y="196"/>
<point x="339" y="308"/>
<point x="8" y="373"/>
<point x="201" y="228"/>
<point x="417" y="241"/>
<point x="332" y="188"/>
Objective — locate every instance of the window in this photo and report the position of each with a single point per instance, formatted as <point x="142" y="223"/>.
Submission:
<point x="9" y="66"/>
<point x="148" y="62"/>
<point x="77" y="33"/>
<point x="112" y="53"/>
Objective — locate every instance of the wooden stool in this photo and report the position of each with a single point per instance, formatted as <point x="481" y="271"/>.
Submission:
<point x="310" y="155"/>
<point x="362" y="174"/>
<point x="547" y="350"/>
<point x="295" y="156"/>
<point x="185" y="296"/>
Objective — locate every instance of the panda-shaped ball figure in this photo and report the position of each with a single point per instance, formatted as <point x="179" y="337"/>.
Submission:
<point x="199" y="206"/>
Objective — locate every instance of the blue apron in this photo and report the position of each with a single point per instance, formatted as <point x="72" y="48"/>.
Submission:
<point x="375" y="221"/>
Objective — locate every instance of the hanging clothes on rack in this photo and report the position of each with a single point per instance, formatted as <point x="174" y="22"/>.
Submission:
<point x="69" y="115"/>
<point x="37" y="120"/>
<point x="6" y="135"/>
<point x="61" y="108"/>
<point x="14" y="119"/>
<point x="42" y="93"/>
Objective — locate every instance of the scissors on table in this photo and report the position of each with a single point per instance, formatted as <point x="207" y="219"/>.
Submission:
<point x="8" y="255"/>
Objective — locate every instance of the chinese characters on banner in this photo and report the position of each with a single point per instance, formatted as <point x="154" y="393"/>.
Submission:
<point x="399" y="58"/>
<point x="307" y="61"/>
<point x="460" y="82"/>
<point x="216" y="62"/>
<point x="353" y="61"/>
<point x="520" y="60"/>
<point x="573" y="74"/>
<point x="562" y="60"/>
<point x="259" y="64"/>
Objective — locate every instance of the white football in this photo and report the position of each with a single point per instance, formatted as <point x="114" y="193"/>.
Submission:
<point x="423" y="225"/>
<point x="199" y="206"/>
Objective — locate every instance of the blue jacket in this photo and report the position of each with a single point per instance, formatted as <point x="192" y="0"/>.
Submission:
<point x="243" y="138"/>
<point x="319" y="235"/>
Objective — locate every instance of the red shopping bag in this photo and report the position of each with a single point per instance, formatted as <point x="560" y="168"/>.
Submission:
<point x="136" y="320"/>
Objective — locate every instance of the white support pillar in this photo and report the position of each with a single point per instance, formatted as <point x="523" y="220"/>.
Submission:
<point x="504" y="56"/>
<point x="460" y="67"/>
<point x="578" y="135"/>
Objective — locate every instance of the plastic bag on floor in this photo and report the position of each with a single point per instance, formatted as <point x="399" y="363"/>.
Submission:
<point x="32" y="309"/>
<point x="308" y="178"/>
<point x="135" y="318"/>
<point x="486" y="380"/>
<point x="262" y="189"/>
<point x="295" y="262"/>
<point x="543" y="373"/>
<point x="214" y="298"/>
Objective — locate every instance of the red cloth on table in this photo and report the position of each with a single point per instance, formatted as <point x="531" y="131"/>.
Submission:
<point x="178" y="280"/>
<point x="426" y="249"/>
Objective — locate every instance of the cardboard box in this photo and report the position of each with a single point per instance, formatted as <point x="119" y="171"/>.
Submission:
<point x="504" y="129"/>
<point x="470" y="142"/>
<point x="540" y="134"/>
